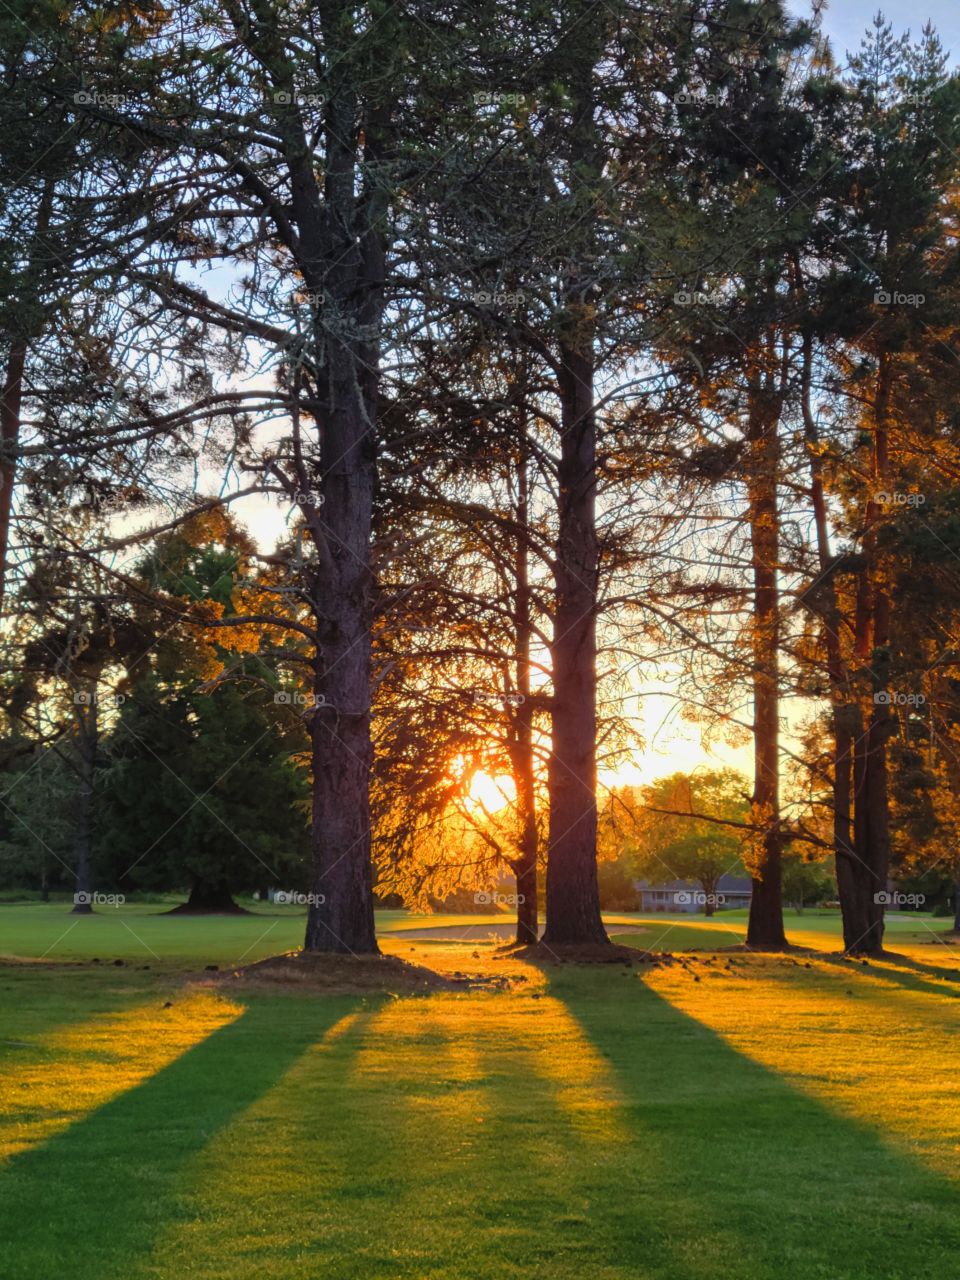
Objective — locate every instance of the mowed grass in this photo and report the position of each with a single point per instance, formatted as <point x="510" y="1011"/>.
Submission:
<point x="147" y="934"/>
<point x="733" y="1116"/>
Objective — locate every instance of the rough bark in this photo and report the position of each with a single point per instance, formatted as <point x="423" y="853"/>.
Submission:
<point x="765" y="925"/>
<point x="573" y="900"/>
<point x="350" y="255"/>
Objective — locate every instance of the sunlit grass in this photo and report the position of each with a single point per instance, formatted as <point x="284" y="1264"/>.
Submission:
<point x="604" y="1123"/>
<point x="49" y="1082"/>
<point x="878" y="1042"/>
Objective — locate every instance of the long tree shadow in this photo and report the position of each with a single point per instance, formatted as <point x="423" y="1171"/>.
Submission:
<point x="94" y="1197"/>
<point x="910" y="974"/>
<point x="806" y="1191"/>
<point x="444" y="1137"/>
<point x="602" y="1133"/>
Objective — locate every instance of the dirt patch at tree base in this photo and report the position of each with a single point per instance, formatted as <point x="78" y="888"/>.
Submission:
<point x="357" y="974"/>
<point x="582" y="953"/>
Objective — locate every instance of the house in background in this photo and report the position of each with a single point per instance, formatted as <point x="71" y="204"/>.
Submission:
<point x="732" y="892"/>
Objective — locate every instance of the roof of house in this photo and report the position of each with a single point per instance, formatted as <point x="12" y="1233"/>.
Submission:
<point x="726" y="884"/>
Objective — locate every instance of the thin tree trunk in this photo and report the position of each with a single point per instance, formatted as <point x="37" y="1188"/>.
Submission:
<point x="87" y="742"/>
<point x="525" y="865"/>
<point x="765" y="925"/>
<point x="11" y="399"/>
<point x="871" y="800"/>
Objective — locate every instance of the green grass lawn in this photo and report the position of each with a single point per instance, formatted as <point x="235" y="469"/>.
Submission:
<point x="731" y="1118"/>
<point x="146" y="934"/>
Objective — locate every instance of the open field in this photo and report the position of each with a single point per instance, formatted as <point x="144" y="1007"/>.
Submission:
<point x="146" y="934"/>
<point x="731" y="1116"/>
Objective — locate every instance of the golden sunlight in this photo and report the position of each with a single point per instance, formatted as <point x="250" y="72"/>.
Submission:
<point x="490" y="792"/>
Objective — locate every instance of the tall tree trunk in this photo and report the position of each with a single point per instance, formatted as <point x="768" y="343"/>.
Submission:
<point x="11" y="396"/>
<point x="342" y="253"/>
<point x="846" y="719"/>
<point x="765" y="925"/>
<point x="340" y="919"/>
<point x="871" y="800"/>
<point x="524" y="770"/>
<point x="11" y="399"/>
<point x="573" y="898"/>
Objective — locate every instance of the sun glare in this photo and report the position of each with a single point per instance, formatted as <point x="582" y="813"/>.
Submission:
<point x="489" y="792"/>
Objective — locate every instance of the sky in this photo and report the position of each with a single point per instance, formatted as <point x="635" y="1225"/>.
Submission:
<point x="846" y="20"/>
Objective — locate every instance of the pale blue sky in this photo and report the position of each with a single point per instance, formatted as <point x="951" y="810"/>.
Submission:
<point x="846" y="20"/>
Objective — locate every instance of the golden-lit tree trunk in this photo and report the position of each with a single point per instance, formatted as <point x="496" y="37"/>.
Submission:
<point x="765" y="925"/>
<point x="522" y="753"/>
<point x="845" y="714"/>
<point x="872" y="628"/>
